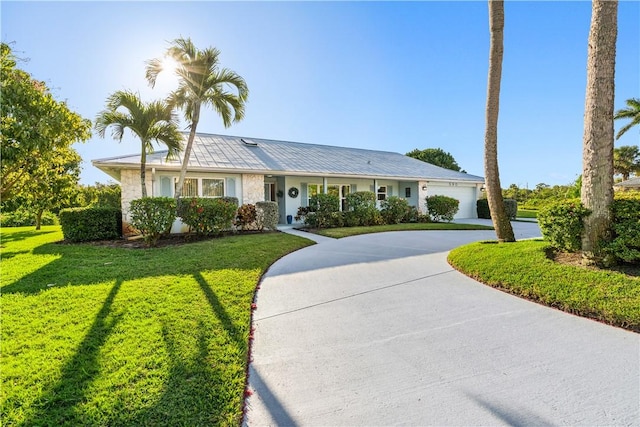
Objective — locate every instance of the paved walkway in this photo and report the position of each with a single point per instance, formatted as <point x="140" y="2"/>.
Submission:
<point x="380" y="330"/>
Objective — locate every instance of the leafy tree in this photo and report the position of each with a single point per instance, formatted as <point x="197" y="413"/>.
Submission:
<point x="201" y="82"/>
<point x="436" y="156"/>
<point x="102" y="195"/>
<point x="597" y="152"/>
<point x="32" y="125"/>
<point x="499" y="216"/>
<point x="626" y="160"/>
<point x="631" y="112"/>
<point x="150" y="122"/>
<point x="53" y="183"/>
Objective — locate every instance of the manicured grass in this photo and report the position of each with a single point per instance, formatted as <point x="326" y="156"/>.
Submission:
<point x="93" y="335"/>
<point x="524" y="213"/>
<point x="338" y="233"/>
<point x="522" y="268"/>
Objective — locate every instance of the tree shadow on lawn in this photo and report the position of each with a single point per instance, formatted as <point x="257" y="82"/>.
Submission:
<point x="22" y="235"/>
<point x="196" y="391"/>
<point x="87" y="264"/>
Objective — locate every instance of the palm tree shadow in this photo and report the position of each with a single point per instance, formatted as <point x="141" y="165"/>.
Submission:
<point x="57" y="401"/>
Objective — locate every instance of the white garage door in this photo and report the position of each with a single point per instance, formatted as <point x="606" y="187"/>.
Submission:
<point x="466" y="195"/>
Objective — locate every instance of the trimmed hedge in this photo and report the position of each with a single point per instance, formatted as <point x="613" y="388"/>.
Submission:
<point x="153" y="217"/>
<point x="268" y="215"/>
<point x="625" y="245"/>
<point x="361" y="209"/>
<point x="208" y="216"/>
<point x="510" y="207"/>
<point x="91" y="223"/>
<point x="442" y="208"/>
<point x="394" y="209"/>
<point x="562" y="224"/>
<point x="324" y="211"/>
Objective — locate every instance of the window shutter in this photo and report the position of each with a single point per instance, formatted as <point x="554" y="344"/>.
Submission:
<point x="165" y="186"/>
<point x="231" y="187"/>
<point x="372" y="188"/>
<point x="389" y="190"/>
<point x="303" y="195"/>
<point x="354" y="188"/>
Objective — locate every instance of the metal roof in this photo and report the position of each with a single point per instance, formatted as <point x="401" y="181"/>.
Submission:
<point x="223" y="153"/>
<point x="631" y="183"/>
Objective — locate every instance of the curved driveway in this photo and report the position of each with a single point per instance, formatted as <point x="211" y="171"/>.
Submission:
<point x="380" y="330"/>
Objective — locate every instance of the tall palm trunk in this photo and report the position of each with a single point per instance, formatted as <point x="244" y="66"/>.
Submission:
<point x="501" y="221"/>
<point x="597" y="145"/>
<point x="195" y="118"/>
<point x="143" y="169"/>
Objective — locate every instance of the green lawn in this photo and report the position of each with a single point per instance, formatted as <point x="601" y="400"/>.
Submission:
<point x="338" y="233"/>
<point x="93" y="335"/>
<point x="525" y="213"/>
<point x="522" y="268"/>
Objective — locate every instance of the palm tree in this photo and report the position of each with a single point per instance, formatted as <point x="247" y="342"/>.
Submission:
<point x="597" y="145"/>
<point x="150" y="122"/>
<point x="626" y="160"/>
<point x="202" y="82"/>
<point x="499" y="216"/>
<point x="631" y="112"/>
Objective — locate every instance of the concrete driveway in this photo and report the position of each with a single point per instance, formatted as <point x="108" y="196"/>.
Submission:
<point x="380" y="330"/>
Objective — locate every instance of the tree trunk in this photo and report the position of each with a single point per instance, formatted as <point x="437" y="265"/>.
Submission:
<point x="39" y="218"/>
<point x="187" y="151"/>
<point x="597" y="145"/>
<point x="143" y="169"/>
<point x="501" y="221"/>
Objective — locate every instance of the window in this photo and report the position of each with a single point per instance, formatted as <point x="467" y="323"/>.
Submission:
<point x="212" y="187"/>
<point x="201" y="187"/>
<point x="270" y="191"/>
<point x="189" y="188"/>
<point x="337" y="190"/>
<point x="382" y="193"/>
<point x="407" y="192"/>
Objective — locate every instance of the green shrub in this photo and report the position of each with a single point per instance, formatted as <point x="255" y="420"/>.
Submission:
<point x="625" y="244"/>
<point x="268" y="215"/>
<point x="442" y="208"/>
<point x="22" y="218"/>
<point x="208" y="216"/>
<point x="91" y="223"/>
<point x="562" y="223"/>
<point x="246" y="217"/>
<point x="323" y="206"/>
<point x="411" y="215"/>
<point x="510" y="207"/>
<point x="153" y="217"/>
<point x="361" y="209"/>
<point x="394" y="209"/>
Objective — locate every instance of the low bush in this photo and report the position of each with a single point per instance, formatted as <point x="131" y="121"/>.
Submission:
<point x="361" y="209"/>
<point x="510" y="207"/>
<point x="323" y="207"/>
<point x="153" y="217"/>
<point x="394" y="209"/>
<point x="208" y="216"/>
<point x="625" y="244"/>
<point x="22" y="218"/>
<point x="267" y="215"/>
<point x="562" y="223"/>
<point x="442" y="208"/>
<point x="91" y="223"/>
<point x="246" y="217"/>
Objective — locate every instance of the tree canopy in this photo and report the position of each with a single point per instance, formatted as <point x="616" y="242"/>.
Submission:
<point x="35" y="129"/>
<point x="436" y="156"/>
<point x="632" y="112"/>
<point x="626" y="160"/>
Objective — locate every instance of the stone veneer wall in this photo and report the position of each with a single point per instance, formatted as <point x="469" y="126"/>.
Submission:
<point x="252" y="189"/>
<point x="130" y="186"/>
<point x="422" y="195"/>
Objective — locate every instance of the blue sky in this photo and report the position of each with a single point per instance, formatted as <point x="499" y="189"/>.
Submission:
<point x="390" y="76"/>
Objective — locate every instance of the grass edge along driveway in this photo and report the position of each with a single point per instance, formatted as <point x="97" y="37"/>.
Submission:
<point x="522" y="268"/>
<point x="95" y="335"/>
<point x="339" y="233"/>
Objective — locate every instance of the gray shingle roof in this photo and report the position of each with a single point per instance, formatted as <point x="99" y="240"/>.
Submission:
<point x="237" y="154"/>
<point x="630" y="183"/>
